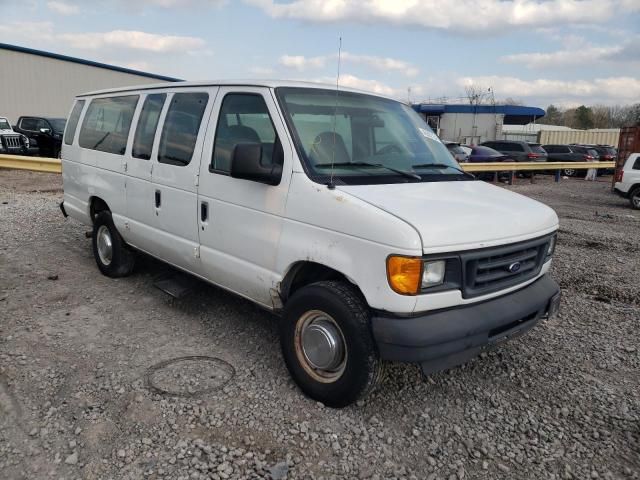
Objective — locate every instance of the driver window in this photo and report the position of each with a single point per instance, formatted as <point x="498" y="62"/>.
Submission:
<point x="244" y="118"/>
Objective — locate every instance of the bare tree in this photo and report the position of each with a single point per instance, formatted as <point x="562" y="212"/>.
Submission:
<point x="601" y="116"/>
<point x="476" y="93"/>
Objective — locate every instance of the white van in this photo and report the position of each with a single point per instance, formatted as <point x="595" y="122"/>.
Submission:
<point x="341" y="211"/>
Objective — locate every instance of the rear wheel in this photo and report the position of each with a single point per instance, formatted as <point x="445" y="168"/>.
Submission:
<point x="634" y="199"/>
<point x="569" y="172"/>
<point x="113" y="257"/>
<point x="327" y="344"/>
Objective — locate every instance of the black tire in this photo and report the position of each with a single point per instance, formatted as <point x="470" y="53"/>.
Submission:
<point x="634" y="198"/>
<point x="122" y="259"/>
<point x="362" y="369"/>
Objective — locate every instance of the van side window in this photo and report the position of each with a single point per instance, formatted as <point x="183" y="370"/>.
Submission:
<point x="244" y="118"/>
<point x="636" y="164"/>
<point x="106" y="124"/>
<point x="72" y="124"/>
<point x="181" y="127"/>
<point x="147" y="125"/>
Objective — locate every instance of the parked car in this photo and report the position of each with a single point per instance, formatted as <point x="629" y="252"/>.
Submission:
<point x="570" y="153"/>
<point x="606" y="153"/>
<point x="374" y="249"/>
<point x="457" y="151"/>
<point x="11" y="142"/>
<point x="46" y="131"/>
<point x="466" y="149"/>
<point x="481" y="154"/>
<point x="627" y="181"/>
<point x="519" y="151"/>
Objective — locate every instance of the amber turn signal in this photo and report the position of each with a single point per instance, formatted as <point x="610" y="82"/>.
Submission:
<point x="404" y="274"/>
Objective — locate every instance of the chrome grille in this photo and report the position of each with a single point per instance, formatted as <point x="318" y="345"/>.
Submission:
<point x="11" y="141"/>
<point x="492" y="269"/>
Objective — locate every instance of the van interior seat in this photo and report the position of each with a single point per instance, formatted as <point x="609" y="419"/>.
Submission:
<point x="227" y="140"/>
<point x="329" y="147"/>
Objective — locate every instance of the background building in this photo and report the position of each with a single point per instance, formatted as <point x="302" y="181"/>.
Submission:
<point x="33" y="82"/>
<point x="473" y="124"/>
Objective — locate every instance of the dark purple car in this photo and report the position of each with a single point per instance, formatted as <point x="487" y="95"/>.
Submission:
<point x="482" y="154"/>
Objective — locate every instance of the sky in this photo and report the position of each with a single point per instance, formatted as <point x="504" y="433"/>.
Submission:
<point x="538" y="52"/>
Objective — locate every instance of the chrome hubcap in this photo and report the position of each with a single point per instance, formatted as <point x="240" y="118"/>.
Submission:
<point x="320" y="346"/>
<point x="105" y="245"/>
<point x="569" y="172"/>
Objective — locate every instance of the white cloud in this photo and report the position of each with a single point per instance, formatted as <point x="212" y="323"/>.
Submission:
<point x="261" y="71"/>
<point x="63" y="8"/>
<point x="578" y="52"/>
<point x="131" y="39"/>
<point x="300" y="62"/>
<point x="607" y="90"/>
<point x="478" y="15"/>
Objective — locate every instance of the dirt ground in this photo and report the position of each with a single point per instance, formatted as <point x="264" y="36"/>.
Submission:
<point x="94" y="383"/>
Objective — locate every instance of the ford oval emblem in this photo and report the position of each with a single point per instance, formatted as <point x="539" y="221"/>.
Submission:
<point x="514" y="267"/>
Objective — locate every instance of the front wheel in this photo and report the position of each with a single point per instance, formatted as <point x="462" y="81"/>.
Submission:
<point x="569" y="172"/>
<point x="634" y="199"/>
<point x="113" y="257"/>
<point x="327" y="343"/>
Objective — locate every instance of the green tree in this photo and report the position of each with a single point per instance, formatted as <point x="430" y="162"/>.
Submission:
<point x="584" y="117"/>
<point x="553" y="116"/>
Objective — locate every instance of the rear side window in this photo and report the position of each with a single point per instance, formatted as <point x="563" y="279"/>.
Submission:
<point x="181" y="126"/>
<point x="550" y="149"/>
<point x="514" y="147"/>
<point x="106" y="124"/>
<point x="147" y="125"/>
<point x="537" y="149"/>
<point x="636" y="164"/>
<point x="244" y="118"/>
<point x="72" y="124"/>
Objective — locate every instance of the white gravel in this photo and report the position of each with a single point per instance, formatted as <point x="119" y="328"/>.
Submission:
<point x="562" y="402"/>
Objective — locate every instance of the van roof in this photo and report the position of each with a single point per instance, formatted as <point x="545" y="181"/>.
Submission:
<point x="235" y="83"/>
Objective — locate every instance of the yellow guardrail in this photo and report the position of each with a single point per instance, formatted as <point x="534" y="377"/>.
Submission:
<point x="35" y="164"/>
<point x="53" y="165"/>
<point x="532" y="166"/>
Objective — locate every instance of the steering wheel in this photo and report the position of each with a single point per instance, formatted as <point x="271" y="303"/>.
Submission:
<point x="388" y="149"/>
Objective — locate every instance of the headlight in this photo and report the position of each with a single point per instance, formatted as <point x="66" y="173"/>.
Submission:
<point x="433" y="273"/>
<point x="552" y="246"/>
<point x="404" y="274"/>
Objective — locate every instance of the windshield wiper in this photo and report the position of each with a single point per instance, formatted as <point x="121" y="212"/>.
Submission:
<point x="442" y="165"/>
<point x="405" y="173"/>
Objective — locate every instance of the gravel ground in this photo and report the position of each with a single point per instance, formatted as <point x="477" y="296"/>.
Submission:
<point x="84" y="392"/>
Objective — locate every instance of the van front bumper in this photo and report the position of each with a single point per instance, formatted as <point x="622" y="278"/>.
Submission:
<point x="444" y="338"/>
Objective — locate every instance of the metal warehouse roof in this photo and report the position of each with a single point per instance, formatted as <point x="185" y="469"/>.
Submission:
<point x="65" y="58"/>
<point x="514" y="114"/>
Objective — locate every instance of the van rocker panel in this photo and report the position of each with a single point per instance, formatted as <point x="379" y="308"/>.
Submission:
<point x="442" y="339"/>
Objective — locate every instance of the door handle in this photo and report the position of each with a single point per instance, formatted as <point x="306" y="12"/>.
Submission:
<point x="158" y="199"/>
<point x="204" y="211"/>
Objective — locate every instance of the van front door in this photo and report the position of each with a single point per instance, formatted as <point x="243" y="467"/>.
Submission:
<point x="240" y="220"/>
<point x="174" y="178"/>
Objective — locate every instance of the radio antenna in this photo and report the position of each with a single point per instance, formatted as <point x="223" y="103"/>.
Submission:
<point x="335" y="116"/>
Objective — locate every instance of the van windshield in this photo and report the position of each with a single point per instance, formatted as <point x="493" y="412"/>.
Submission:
<point x="363" y="139"/>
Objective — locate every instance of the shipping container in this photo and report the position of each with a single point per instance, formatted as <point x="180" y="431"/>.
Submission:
<point x="608" y="136"/>
<point x="629" y="143"/>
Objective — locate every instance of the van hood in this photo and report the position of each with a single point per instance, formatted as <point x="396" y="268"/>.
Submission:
<point x="460" y="215"/>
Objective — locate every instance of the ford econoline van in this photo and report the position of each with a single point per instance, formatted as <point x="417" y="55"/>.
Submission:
<point x="338" y="210"/>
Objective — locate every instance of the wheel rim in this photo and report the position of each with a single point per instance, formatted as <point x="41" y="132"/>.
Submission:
<point x="320" y="346"/>
<point x="636" y="200"/>
<point x="569" y="172"/>
<point x="105" y="245"/>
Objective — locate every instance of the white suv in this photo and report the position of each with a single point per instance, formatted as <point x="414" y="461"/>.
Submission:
<point x="628" y="180"/>
<point x="342" y="212"/>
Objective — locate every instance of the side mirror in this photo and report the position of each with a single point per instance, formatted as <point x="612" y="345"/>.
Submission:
<point x="45" y="131"/>
<point x="246" y="164"/>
